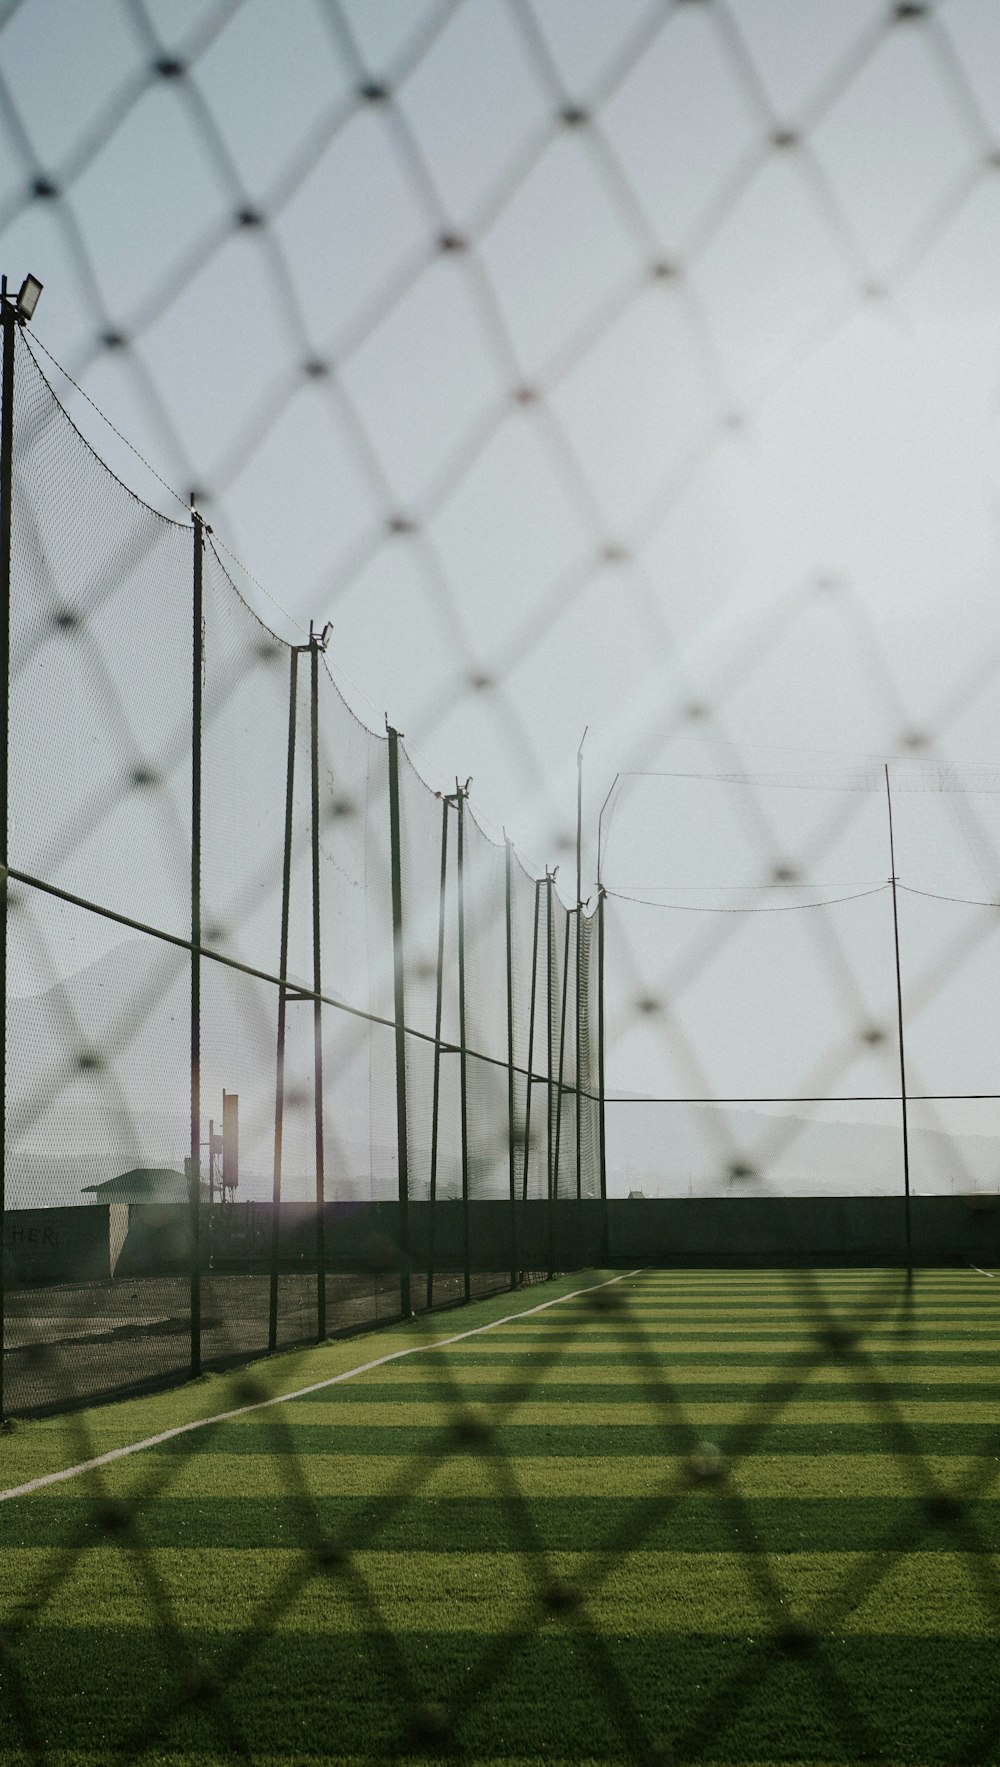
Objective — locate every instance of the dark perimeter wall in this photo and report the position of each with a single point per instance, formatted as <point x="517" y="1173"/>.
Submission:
<point x="90" y="1243"/>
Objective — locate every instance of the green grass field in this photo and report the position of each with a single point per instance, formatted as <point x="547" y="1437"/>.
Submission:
<point x="721" y="1517"/>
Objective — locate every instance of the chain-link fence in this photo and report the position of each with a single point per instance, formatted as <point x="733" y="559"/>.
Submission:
<point x="270" y="1000"/>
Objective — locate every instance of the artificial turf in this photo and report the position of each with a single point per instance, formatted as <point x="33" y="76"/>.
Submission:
<point x="724" y="1517"/>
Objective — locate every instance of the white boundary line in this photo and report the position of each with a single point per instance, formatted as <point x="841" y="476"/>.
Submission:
<point x="200" y="1423"/>
<point x="979" y="1272"/>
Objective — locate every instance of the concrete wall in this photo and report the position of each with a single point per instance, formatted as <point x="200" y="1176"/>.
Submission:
<point x="89" y="1243"/>
<point x="55" y="1245"/>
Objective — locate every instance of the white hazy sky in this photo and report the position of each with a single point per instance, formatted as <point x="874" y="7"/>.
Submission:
<point x="693" y="440"/>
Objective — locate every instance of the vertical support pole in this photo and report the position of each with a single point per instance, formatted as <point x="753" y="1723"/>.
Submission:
<point x="531" y="1038"/>
<point x="463" y="1055"/>
<point x="6" y="491"/>
<point x="605" y="1246"/>
<point x="194" y="1169"/>
<point x="279" y="1084"/>
<point x="436" y="1083"/>
<point x="399" y="998"/>
<point x="562" y="1055"/>
<point x="314" y="649"/>
<point x="511" y="1166"/>
<point x="550" y="1053"/>
<point x="902" y="1056"/>
<point x="579" y="936"/>
<point x="579" y="1096"/>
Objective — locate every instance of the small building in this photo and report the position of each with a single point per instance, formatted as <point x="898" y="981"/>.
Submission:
<point x="144" y="1184"/>
<point x="159" y="1186"/>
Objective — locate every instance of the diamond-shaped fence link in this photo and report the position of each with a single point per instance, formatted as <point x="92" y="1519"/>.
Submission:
<point x="437" y="1060"/>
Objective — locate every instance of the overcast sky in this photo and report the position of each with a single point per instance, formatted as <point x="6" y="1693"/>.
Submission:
<point x="585" y="362"/>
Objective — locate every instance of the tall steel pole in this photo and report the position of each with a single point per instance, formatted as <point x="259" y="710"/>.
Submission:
<point x="9" y="318"/>
<point x="579" y="955"/>
<point x="531" y="1040"/>
<point x="436" y="1081"/>
<point x="550" y="1061"/>
<point x="279" y="1083"/>
<point x="399" y="1011"/>
<point x="600" y="1076"/>
<point x="463" y="1054"/>
<point x="902" y="1056"/>
<point x="511" y="1171"/>
<point x="314" y="650"/>
<point x="194" y="1177"/>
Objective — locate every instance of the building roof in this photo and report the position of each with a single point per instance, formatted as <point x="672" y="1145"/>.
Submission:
<point x="144" y="1184"/>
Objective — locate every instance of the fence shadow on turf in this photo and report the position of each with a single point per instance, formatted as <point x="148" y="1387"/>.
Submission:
<point x="431" y="1712"/>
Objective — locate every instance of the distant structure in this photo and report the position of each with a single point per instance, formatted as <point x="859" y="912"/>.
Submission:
<point x="158" y="1186"/>
<point x="144" y="1184"/>
<point x="637" y="1195"/>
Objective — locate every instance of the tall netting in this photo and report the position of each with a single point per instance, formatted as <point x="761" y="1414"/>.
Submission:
<point x="814" y="950"/>
<point x="97" y="1069"/>
<point x="269" y="997"/>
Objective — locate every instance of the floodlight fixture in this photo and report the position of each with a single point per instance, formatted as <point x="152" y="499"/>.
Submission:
<point x="28" y="297"/>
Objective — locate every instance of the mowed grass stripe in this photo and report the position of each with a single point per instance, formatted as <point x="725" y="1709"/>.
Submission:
<point x="341" y="1700"/>
<point x="597" y="1371"/>
<point x="792" y="1307"/>
<point x="809" y="1337"/>
<point x="685" y="1522"/>
<point x="534" y="1409"/>
<point x="578" y="1365"/>
<point x="638" y="1386"/>
<point x="839" y="1436"/>
<point x="799" y="1476"/>
<point x="640" y="1592"/>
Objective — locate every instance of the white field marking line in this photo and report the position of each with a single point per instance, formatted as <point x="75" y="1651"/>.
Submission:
<point x="200" y="1423"/>
<point x="979" y="1272"/>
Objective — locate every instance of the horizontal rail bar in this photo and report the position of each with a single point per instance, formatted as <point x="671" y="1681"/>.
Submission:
<point x="296" y="992"/>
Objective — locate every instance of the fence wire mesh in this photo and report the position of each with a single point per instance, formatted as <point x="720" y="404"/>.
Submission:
<point x="753" y="1057"/>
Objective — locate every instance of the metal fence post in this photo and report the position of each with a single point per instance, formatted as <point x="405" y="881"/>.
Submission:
<point x="463" y="1059"/>
<point x="314" y="650"/>
<point x="549" y="1009"/>
<point x="902" y="1054"/>
<point x="509" y="922"/>
<point x="579" y="1015"/>
<point x="9" y="319"/>
<point x="436" y="1083"/>
<point x="399" y="999"/>
<point x="279" y="1086"/>
<point x="194" y="1170"/>
<point x="531" y="1039"/>
<point x="605" y="1246"/>
<point x="562" y="1057"/>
